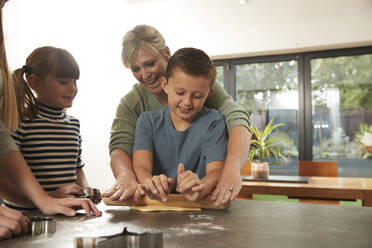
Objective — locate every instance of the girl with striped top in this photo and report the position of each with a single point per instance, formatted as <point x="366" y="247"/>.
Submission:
<point x="48" y="138"/>
<point x="14" y="171"/>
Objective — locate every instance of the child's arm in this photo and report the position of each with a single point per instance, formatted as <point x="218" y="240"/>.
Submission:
<point x="210" y="180"/>
<point x="193" y="188"/>
<point x="142" y="165"/>
<point x="13" y="166"/>
<point x="158" y="186"/>
<point x="9" y="191"/>
<point x="81" y="180"/>
<point x="72" y="190"/>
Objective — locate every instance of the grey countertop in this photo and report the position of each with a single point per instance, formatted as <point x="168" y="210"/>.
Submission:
<point x="245" y="224"/>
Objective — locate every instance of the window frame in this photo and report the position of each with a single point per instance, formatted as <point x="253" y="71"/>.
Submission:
<point x="303" y="59"/>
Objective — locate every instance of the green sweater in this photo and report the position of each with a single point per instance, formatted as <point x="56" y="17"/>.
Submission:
<point x="139" y="99"/>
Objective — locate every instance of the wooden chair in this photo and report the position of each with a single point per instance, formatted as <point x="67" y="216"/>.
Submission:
<point x="246" y="171"/>
<point x="319" y="169"/>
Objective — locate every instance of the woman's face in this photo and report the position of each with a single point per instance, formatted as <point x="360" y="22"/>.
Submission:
<point x="2" y="2"/>
<point x="148" y="68"/>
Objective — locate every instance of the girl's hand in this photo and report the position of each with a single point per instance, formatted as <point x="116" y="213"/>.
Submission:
<point x="159" y="186"/>
<point x="12" y="223"/>
<point x="70" y="190"/>
<point x="66" y="206"/>
<point x="188" y="184"/>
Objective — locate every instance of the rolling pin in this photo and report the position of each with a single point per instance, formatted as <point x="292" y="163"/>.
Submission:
<point x="174" y="200"/>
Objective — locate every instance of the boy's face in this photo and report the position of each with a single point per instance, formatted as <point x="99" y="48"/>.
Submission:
<point x="186" y="94"/>
<point x="55" y="92"/>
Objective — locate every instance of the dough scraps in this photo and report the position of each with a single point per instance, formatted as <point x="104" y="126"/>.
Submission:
<point x="152" y="208"/>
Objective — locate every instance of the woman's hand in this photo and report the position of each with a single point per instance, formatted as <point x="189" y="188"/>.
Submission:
<point x="66" y="206"/>
<point x="159" y="186"/>
<point x="70" y="190"/>
<point x="227" y="188"/>
<point x="188" y="184"/>
<point x="12" y="223"/>
<point x="122" y="190"/>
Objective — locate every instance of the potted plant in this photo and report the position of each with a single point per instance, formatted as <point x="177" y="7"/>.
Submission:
<point x="264" y="148"/>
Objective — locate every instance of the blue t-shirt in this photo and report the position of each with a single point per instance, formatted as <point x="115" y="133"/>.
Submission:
<point x="204" y="141"/>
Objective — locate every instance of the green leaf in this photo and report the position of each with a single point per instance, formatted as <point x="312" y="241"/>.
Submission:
<point x="263" y="146"/>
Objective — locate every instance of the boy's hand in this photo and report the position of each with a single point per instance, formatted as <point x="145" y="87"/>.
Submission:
<point x="188" y="184"/>
<point x="70" y="190"/>
<point x="139" y="193"/>
<point x="159" y="186"/>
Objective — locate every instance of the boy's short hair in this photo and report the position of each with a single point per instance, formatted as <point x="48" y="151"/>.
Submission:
<point x="193" y="62"/>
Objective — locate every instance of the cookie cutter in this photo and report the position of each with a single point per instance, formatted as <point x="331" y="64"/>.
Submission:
<point x="123" y="240"/>
<point x="93" y="194"/>
<point x="42" y="226"/>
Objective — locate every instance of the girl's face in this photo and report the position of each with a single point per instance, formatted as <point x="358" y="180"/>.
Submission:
<point x="56" y="92"/>
<point x="148" y="69"/>
<point x="186" y="94"/>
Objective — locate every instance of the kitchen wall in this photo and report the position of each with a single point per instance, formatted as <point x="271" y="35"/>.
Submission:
<point x="92" y="31"/>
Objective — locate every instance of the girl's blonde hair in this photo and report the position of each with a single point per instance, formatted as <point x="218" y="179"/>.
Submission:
<point x="42" y="62"/>
<point x="141" y="36"/>
<point x="8" y="111"/>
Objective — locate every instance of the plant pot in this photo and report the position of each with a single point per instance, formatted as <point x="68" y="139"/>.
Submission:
<point x="247" y="168"/>
<point x="260" y="170"/>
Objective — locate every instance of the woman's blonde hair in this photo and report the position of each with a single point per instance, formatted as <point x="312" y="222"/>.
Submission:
<point x="42" y="62"/>
<point x="141" y="36"/>
<point x="8" y="111"/>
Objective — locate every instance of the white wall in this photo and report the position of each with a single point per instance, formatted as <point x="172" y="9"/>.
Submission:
<point x="92" y="31"/>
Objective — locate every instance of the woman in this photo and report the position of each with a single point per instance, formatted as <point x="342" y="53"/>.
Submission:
<point x="14" y="167"/>
<point x="146" y="54"/>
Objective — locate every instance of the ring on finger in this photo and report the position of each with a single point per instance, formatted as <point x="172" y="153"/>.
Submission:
<point x="231" y="189"/>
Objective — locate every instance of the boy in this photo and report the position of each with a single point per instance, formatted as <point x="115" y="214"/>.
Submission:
<point x="184" y="133"/>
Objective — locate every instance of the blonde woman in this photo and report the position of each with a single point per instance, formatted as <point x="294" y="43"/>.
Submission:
<point x="145" y="53"/>
<point x="14" y="167"/>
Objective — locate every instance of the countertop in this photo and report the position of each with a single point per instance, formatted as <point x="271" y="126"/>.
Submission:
<point x="245" y="224"/>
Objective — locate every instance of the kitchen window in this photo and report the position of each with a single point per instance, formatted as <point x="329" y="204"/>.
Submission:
<point x="324" y="99"/>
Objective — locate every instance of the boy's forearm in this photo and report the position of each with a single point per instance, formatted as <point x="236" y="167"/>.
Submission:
<point x="142" y="165"/>
<point x="210" y="182"/>
<point x="142" y="173"/>
<point x="81" y="179"/>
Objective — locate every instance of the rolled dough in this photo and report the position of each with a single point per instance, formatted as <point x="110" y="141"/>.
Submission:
<point x="151" y="208"/>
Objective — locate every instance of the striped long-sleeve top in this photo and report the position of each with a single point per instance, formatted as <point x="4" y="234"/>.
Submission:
<point x="51" y="146"/>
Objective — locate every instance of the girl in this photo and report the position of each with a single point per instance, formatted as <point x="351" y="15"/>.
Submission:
<point x="48" y="138"/>
<point x="13" y="166"/>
